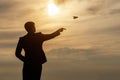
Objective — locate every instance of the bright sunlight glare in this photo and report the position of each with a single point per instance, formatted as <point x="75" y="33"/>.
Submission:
<point x="52" y="9"/>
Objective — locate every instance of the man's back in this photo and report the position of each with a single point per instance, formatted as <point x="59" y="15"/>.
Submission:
<point x="32" y="45"/>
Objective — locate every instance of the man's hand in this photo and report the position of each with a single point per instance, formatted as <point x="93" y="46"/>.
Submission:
<point x="61" y="29"/>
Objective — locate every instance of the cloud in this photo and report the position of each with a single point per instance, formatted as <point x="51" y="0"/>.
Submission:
<point x="94" y="6"/>
<point x="7" y="45"/>
<point x="70" y="53"/>
<point x="96" y="67"/>
<point x="10" y="34"/>
<point x="113" y="31"/>
<point x="100" y="34"/>
<point x="9" y="38"/>
<point x="92" y="56"/>
<point x="60" y="2"/>
<point x="92" y="66"/>
<point x="110" y="7"/>
<point x="98" y="7"/>
<point x="115" y="11"/>
<point x="6" y="6"/>
<point x="16" y="12"/>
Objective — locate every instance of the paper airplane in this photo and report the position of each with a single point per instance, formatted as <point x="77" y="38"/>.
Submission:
<point x="75" y="17"/>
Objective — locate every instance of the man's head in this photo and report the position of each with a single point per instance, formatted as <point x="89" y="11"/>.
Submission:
<point x="30" y="27"/>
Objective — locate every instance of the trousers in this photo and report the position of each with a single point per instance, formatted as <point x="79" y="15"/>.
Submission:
<point x="32" y="71"/>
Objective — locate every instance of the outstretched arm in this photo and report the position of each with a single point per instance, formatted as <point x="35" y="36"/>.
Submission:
<point x="54" y="34"/>
<point x="18" y="51"/>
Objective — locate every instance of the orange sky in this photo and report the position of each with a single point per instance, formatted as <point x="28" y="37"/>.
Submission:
<point x="96" y="26"/>
<point x="98" y="23"/>
<point x="95" y="32"/>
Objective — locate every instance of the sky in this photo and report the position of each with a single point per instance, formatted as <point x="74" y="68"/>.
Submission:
<point x="87" y="50"/>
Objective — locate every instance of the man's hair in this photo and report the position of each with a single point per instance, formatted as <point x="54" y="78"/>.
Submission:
<point x="29" y="25"/>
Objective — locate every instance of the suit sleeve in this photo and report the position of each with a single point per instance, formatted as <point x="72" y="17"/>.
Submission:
<point x="18" y="51"/>
<point x="50" y="36"/>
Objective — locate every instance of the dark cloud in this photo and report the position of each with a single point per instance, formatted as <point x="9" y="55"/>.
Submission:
<point x="9" y="38"/>
<point x="14" y="13"/>
<point x="6" y="6"/>
<point x="103" y="67"/>
<point x="93" y="10"/>
<point x="10" y="34"/>
<point x="60" y="70"/>
<point x="70" y="54"/>
<point x="114" y="11"/>
<point x="60" y="2"/>
<point x="95" y="7"/>
<point x="94" y="56"/>
<point x="6" y="45"/>
<point x="101" y="7"/>
<point x="16" y="10"/>
<point x="62" y="51"/>
<point x="111" y="30"/>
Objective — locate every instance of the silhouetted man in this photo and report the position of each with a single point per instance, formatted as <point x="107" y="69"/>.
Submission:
<point x="34" y="55"/>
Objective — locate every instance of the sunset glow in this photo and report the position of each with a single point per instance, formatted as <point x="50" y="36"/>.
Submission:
<point x="53" y="9"/>
<point x="89" y="48"/>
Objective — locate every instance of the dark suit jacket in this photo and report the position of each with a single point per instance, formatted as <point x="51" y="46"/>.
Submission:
<point x="32" y="45"/>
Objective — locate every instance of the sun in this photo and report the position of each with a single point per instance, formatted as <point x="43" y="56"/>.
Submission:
<point x="52" y="9"/>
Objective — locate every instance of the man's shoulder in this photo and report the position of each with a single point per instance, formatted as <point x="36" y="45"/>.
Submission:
<point x="38" y="33"/>
<point x="22" y="37"/>
<point x="27" y="36"/>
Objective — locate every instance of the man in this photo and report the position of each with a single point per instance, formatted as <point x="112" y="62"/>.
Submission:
<point x="34" y="56"/>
